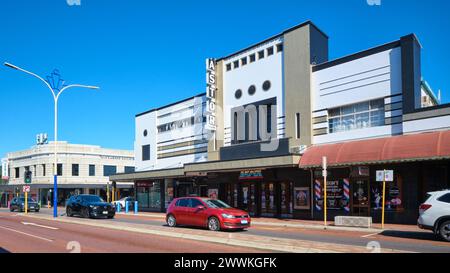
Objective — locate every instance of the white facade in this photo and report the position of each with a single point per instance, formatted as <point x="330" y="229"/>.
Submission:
<point x="373" y="77"/>
<point x="174" y="135"/>
<point x="40" y="161"/>
<point x="269" y="68"/>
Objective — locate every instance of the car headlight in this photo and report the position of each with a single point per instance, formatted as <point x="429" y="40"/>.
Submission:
<point x="228" y="216"/>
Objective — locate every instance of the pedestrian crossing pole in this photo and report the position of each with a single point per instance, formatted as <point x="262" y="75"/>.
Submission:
<point x="107" y="192"/>
<point x="325" y="173"/>
<point x="26" y="202"/>
<point x="384" y="199"/>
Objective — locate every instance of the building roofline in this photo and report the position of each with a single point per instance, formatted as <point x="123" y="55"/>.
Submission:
<point x="169" y="105"/>
<point x="357" y="55"/>
<point x="309" y="22"/>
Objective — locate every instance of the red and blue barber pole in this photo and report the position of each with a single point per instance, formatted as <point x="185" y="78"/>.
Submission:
<point x="347" y="195"/>
<point x="317" y="194"/>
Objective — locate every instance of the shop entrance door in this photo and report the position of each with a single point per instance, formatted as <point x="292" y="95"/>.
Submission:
<point x="287" y="191"/>
<point x="361" y="198"/>
<point x="248" y="191"/>
<point x="268" y="204"/>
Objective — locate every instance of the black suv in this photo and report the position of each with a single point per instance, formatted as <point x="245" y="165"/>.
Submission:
<point x="89" y="206"/>
<point x="18" y="203"/>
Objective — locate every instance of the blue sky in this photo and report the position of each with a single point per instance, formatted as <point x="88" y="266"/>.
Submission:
<point x="145" y="54"/>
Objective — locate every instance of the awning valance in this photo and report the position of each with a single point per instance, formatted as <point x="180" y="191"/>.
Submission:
<point x="405" y="148"/>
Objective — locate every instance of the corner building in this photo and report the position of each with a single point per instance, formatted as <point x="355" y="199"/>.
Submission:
<point x="279" y="106"/>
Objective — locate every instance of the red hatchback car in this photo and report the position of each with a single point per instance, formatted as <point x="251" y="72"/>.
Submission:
<point x="204" y="212"/>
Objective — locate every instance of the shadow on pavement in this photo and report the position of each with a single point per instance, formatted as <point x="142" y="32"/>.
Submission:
<point x="428" y="236"/>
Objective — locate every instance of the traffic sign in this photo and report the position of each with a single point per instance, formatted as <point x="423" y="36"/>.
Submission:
<point x="386" y="175"/>
<point x="26" y="188"/>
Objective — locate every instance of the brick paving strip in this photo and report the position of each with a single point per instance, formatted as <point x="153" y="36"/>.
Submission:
<point x="252" y="241"/>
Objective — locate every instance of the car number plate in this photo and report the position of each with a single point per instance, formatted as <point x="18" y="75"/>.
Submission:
<point x="244" y="222"/>
<point x="31" y="207"/>
<point x="105" y="212"/>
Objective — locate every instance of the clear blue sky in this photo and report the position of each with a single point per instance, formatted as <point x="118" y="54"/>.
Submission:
<point x="145" y="54"/>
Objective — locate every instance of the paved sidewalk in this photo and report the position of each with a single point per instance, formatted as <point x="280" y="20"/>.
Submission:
<point x="228" y="238"/>
<point x="294" y="223"/>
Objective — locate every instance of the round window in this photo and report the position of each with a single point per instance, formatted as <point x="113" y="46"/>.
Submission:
<point x="238" y="94"/>
<point x="266" y="85"/>
<point x="252" y="90"/>
<point x="145" y="133"/>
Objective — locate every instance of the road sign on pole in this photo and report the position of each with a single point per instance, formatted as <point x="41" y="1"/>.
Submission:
<point x="324" y="167"/>
<point x="384" y="176"/>
<point x="26" y="190"/>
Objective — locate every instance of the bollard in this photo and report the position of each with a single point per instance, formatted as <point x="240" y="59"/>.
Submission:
<point x="126" y="206"/>
<point x="9" y="204"/>
<point x="118" y="207"/>
<point x="135" y="207"/>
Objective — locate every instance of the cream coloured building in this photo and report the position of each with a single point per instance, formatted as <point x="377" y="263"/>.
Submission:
<point x="81" y="169"/>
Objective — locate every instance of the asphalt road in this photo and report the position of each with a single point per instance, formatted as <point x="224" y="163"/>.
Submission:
<point x="421" y="241"/>
<point x="20" y="234"/>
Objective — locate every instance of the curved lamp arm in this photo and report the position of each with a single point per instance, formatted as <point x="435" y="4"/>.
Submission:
<point x="76" y="85"/>
<point x="32" y="74"/>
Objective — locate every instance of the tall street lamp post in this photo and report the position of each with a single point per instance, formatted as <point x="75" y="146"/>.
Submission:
<point x="57" y="88"/>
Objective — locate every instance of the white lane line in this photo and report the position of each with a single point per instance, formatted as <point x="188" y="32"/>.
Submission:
<point x="27" y="234"/>
<point x="370" y="235"/>
<point x="41" y="226"/>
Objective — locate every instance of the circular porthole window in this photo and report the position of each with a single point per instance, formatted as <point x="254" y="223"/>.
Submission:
<point x="145" y="133"/>
<point x="266" y="85"/>
<point x="252" y="90"/>
<point x="238" y="94"/>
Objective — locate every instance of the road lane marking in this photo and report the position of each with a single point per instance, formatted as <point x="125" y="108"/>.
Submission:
<point x="41" y="226"/>
<point x="27" y="234"/>
<point x="370" y="235"/>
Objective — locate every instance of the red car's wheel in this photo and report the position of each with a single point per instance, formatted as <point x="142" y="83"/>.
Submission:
<point x="213" y="224"/>
<point x="171" y="221"/>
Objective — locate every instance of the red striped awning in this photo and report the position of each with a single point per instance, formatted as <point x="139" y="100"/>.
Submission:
<point x="425" y="146"/>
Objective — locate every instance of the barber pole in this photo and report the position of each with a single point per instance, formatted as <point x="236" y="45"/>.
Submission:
<point x="317" y="194"/>
<point x="347" y="195"/>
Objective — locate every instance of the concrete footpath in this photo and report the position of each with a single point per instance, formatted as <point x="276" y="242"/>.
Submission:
<point x="227" y="238"/>
<point x="304" y="224"/>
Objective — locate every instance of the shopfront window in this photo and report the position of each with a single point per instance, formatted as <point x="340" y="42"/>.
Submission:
<point x="149" y="195"/>
<point x="168" y="194"/>
<point x="394" y="195"/>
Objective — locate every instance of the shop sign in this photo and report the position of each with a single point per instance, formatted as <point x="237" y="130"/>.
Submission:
<point x="213" y="194"/>
<point x="211" y="88"/>
<point x="302" y="198"/>
<point x="251" y="174"/>
<point x="26" y="189"/>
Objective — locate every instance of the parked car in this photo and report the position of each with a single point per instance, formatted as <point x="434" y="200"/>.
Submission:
<point x="18" y="204"/>
<point x="123" y="201"/>
<point x="89" y="206"/>
<point x="435" y="214"/>
<point x="205" y="212"/>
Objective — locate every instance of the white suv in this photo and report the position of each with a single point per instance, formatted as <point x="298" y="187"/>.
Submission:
<point x="435" y="214"/>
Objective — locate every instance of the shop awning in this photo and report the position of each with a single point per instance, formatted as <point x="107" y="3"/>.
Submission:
<point x="405" y="148"/>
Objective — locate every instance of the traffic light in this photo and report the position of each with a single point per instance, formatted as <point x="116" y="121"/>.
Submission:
<point x="114" y="184"/>
<point x="28" y="177"/>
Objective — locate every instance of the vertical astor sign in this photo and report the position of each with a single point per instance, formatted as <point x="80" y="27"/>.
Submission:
<point x="211" y="89"/>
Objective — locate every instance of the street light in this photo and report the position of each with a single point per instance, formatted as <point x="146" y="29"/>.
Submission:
<point x="56" y="92"/>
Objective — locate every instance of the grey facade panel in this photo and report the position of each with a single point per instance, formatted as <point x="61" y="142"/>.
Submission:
<point x="253" y="150"/>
